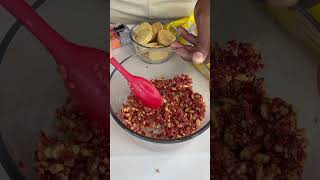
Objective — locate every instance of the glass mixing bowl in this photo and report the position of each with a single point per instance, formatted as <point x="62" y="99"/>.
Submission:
<point x="31" y="89"/>
<point x="153" y="55"/>
<point x="119" y="91"/>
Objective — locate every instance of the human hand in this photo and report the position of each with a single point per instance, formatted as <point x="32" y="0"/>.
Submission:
<point x="198" y="52"/>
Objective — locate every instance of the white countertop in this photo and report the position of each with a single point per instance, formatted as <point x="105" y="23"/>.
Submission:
<point x="129" y="159"/>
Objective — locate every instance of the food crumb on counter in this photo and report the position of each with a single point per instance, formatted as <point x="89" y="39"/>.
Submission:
<point x="157" y="170"/>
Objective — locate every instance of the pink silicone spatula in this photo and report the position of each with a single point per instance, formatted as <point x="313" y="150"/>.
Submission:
<point x="143" y="89"/>
<point x="84" y="69"/>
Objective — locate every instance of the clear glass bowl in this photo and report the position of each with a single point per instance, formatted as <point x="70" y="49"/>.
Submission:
<point x="153" y="55"/>
<point x="119" y="91"/>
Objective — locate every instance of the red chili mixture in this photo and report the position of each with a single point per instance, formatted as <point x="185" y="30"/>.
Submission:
<point x="81" y="153"/>
<point x="181" y="114"/>
<point x="253" y="135"/>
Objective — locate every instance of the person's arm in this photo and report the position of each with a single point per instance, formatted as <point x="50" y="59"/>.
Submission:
<point x="198" y="52"/>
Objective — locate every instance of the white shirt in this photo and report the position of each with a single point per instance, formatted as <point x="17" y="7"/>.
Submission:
<point x="134" y="11"/>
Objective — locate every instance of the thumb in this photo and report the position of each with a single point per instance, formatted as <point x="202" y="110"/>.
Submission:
<point x="201" y="53"/>
<point x="202" y="46"/>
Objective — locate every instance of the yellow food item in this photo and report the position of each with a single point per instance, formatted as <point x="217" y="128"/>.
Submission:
<point x="158" y="55"/>
<point x="157" y="25"/>
<point x="151" y="45"/>
<point x="142" y="27"/>
<point x="143" y="37"/>
<point x="204" y="69"/>
<point x="141" y="34"/>
<point x="188" y="23"/>
<point x="154" y="33"/>
<point x="153" y="36"/>
<point x="165" y="37"/>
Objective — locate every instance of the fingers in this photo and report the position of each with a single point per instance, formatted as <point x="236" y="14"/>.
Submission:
<point x="186" y="52"/>
<point x="176" y="45"/>
<point x="187" y="36"/>
<point x="197" y="53"/>
<point x="202" y="17"/>
<point x="190" y="48"/>
<point x="203" y="39"/>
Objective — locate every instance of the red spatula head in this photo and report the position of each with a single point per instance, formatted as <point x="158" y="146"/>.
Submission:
<point x="146" y="92"/>
<point x="86" y="78"/>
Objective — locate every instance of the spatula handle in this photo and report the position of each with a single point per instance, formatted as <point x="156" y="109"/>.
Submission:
<point x="24" y="13"/>
<point x="118" y="66"/>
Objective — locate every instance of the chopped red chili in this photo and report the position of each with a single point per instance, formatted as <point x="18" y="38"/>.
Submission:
<point x="81" y="152"/>
<point x="181" y="114"/>
<point x="253" y="136"/>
